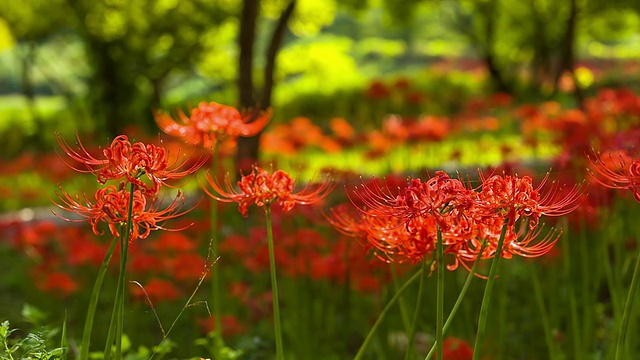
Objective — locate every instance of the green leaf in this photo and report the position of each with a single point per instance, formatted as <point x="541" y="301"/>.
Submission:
<point x="33" y="315"/>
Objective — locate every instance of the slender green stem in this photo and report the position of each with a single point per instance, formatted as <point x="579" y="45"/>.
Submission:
<point x="384" y="311"/>
<point x="573" y="304"/>
<point x="218" y="340"/>
<point x="486" y="299"/>
<point x="117" y="317"/>
<point x="544" y="314"/>
<point x="612" y="284"/>
<point x="626" y="315"/>
<point x="63" y="341"/>
<point x="589" y="270"/>
<point x="416" y="312"/>
<point x="274" y="285"/>
<point x="401" y="303"/>
<point x="111" y="334"/>
<point x="93" y="301"/>
<point x="166" y="335"/>
<point x="440" y="296"/>
<point x="458" y="302"/>
<point x="347" y="292"/>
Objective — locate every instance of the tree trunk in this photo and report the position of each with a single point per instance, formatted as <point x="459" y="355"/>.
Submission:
<point x="247" y="39"/>
<point x="272" y="52"/>
<point x="567" y="62"/>
<point x="496" y="76"/>
<point x="247" y="151"/>
<point x="500" y="84"/>
<point x="540" y="67"/>
<point x="108" y="88"/>
<point x="248" y="148"/>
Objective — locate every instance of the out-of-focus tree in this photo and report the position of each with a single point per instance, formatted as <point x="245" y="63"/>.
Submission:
<point x="6" y="39"/>
<point x="479" y="22"/>
<point x="542" y="35"/>
<point x="29" y="26"/>
<point x="300" y="17"/>
<point x="134" y="45"/>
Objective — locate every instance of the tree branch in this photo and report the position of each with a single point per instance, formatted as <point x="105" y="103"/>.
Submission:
<point x="272" y="52"/>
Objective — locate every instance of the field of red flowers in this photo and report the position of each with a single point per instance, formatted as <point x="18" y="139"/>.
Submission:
<point x="519" y="219"/>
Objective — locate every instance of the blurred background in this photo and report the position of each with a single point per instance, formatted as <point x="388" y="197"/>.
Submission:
<point x="101" y="67"/>
<point x="364" y="87"/>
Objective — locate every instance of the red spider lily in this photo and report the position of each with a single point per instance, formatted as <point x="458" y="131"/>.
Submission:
<point x="616" y="171"/>
<point x="440" y="197"/>
<point x="345" y="219"/>
<point x="212" y="122"/>
<point x="512" y="197"/>
<point x="523" y="243"/>
<point x="261" y="188"/>
<point x="131" y="162"/>
<point x="402" y="224"/>
<point x="398" y="243"/>
<point x="112" y="205"/>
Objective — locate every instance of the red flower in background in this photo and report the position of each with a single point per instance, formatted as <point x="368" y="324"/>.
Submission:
<point x="174" y="242"/>
<point x="342" y="129"/>
<point x="402" y="83"/>
<point x="187" y="266"/>
<point x="616" y="170"/>
<point x="56" y="283"/>
<point x="347" y="221"/>
<point x="377" y="90"/>
<point x="261" y="188"/>
<point x="456" y="349"/>
<point x="156" y="290"/>
<point x="230" y="325"/>
<point x="212" y="122"/>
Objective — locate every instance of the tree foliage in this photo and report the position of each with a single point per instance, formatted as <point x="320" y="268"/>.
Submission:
<point x="137" y="50"/>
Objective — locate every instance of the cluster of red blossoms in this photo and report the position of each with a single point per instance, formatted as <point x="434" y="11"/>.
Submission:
<point x="619" y="170"/>
<point x="144" y="167"/>
<point x="305" y="250"/>
<point x="262" y="188"/>
<point x="210" y="123"/>
<point x="403" y="224"/>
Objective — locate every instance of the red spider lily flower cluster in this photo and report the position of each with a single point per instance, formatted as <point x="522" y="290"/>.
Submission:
<point x="402" y="224"/>
<point x="212" y="122"/>
<point x="111" y="206"/>
<point x="617" y="170"/>
<point x="262" y="188"/>
<point x="129" y="163"/>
